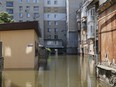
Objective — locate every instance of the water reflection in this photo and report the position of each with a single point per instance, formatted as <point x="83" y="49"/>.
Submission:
<point x="63" y="71"/>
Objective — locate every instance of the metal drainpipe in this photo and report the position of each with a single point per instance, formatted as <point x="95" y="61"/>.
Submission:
<point x="95" y="41"/>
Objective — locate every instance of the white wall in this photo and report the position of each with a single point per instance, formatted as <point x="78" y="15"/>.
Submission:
<point x="59" y="16"/>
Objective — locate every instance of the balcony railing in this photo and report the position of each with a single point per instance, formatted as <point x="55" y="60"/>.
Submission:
<point x="91" y="35"/>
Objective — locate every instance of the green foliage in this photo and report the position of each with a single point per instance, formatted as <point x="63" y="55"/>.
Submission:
<point x="5" y="18"/>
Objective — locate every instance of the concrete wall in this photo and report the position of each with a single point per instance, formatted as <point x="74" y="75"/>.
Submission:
<point x="18" y="48"/>
<point x="73" y="43"/>
<point x="72" y="6"/>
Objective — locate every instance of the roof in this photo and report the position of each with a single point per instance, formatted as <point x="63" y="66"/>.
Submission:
<point x="21" y="26"/>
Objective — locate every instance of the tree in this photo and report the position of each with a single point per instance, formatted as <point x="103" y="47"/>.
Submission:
<point x="5" y="18"/>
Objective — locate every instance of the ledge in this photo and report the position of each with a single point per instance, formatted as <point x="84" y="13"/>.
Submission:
<point x="109" y="68"/>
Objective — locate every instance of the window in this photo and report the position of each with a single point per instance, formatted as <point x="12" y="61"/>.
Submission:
<point x="20" y="20"/>
<point x="55" y="36"/>
<point x="27" y="1"/>
<point x="20" y="15"/>
<point x="49" y="29"/>
<point x="9" y="4"/>
<point x="49" y="22"/>
<point x="55" y="2"/>
<point x="91" y="29"/>
<point x="49" y="36"/>
<point x="27" y="7"/>
<point x="35" y="1"/>
<point x="20" y="8"/>
<point x="92" y="12"/>
<point x="54" y="15"/>
<point x="10" y="11"/>
<point x="36" y="15"/>
<point x="56" y="43"/>
<point x="48" y="15"/>
<point x="48" y="2"/>
<point x="55" y="30"/>
<point x="28" y="15"/>
<point x="20" y="1"/>
<point x="55" y="23"/>
<point x="36" y="8"/>
<point x="65" y="35"/>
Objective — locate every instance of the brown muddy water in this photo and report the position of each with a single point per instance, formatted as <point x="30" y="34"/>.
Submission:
<point x="62" y="71"/>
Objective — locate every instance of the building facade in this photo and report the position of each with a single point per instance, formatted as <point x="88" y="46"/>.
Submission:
<point x="72" y="6"/>
<point x="89" y="29"/>
<point x="25" y="10"/>
<point x="92" y="27"/>
<point x="84" y="40"/>
<point x="55" y="24"/>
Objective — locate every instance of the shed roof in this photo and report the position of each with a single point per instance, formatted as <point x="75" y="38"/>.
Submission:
<point x="21" y="26"/>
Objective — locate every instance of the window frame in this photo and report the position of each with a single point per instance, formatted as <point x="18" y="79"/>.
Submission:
<point x="28" y="15"/>
<point x="9" y="10"/>
<point x="20" y="15"/>
<point x="35" y="1"/>
<point x="48" y="2"/>
<point x="49" y="29"/>
<point x="9" y="3"/>
<point x="36" y="8"/>
<point x="20" y="1"/>
<point x="55" y="2"/>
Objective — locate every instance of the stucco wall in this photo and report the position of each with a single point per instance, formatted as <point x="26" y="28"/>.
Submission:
<point x="18" y="48"/>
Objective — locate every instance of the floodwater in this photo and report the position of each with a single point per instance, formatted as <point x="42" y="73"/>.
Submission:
<point x="62" y="71"/>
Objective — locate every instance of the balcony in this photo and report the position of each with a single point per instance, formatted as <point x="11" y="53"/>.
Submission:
<point x="90" y="18"/>
<point x="84" y="25"/>
<point x="90" y="35"/>
<point x="90" y="32"/>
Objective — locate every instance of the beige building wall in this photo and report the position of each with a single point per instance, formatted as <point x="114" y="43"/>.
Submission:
<point x="20" y="14"/>
<point x="37" y="42"/>
<point x="18" y="48"/>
